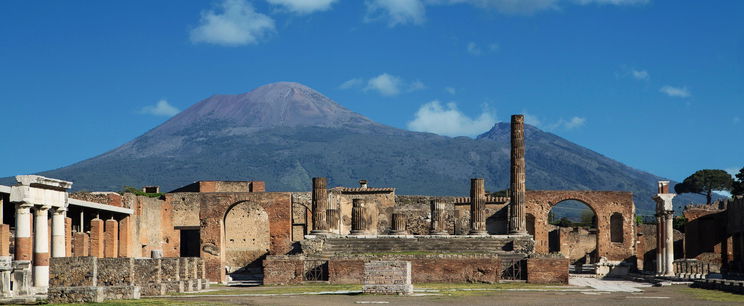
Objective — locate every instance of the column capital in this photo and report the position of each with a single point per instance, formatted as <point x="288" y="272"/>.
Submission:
<point x="60" y="210"/>
<point x="24" y="205"/>
<point x="41" y="210"/>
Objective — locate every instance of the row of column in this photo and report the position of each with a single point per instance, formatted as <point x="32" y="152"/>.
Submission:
<point x="38" y="249"/>
<point x="109" y="238"/>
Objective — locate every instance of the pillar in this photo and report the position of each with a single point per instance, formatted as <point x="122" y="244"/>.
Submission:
<point x="41" y="246"/>
<point x="320" y="205"/>
<point x="438" y="223"/>
<point x="111" y="242"/>
<point x="659" y="245"/>
<point x="358" y="221"/>
<point x="4" y="240"/>
<point x="399" y="224"/>
<point x="477" y="207"/>
<point x="517" y="190"/>
<point x="58" y="232"/>
<point x="68" y="237"/>
<point x="669" y="245"/>
<point x="23" y="244"/>
<point x="81" y="244"/>
<point x="125" y="228"/>
<point x="333" y="215"/>
<point x="96" y="238"/>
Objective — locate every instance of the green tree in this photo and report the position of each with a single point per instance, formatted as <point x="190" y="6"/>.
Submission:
<point x="738" y="187"/>
<point x="705" y="182"/>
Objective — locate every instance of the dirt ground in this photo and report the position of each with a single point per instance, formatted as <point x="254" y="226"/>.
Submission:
<point x="669" y="295"/>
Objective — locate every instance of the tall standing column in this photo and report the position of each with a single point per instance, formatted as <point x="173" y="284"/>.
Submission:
<point x="669" y="245"/>
<point x="517" y="221"/>
<point x="399" y="224"/>
<point x="23" y="243"/>
<point x="41" y="246"/>
<point x="58" y="232"/>
<point x="358" y="221"/>
<point x="659" y="245"/>
<point x="438" y="223"/>
<point x="477" y="207"/>
<point x="320" y="205"/>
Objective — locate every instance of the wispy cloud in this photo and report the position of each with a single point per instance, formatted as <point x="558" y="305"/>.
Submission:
<point x="385" y="84"/>
<point x="640" y="75"/>
<point x="303" y="7"/>
<point x="676" y="92"/>
<point x="236" y="24"/>
<point x="161" y="108"/>
<point x="450" y="90"/>
<point x="396" y="12"/>
<point x="448" y="120"/>
<point x="613" y="2"/>
<point x="475" y="49"/>
<point x="572" y="123"/>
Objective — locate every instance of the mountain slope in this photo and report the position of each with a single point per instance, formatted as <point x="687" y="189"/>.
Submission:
<point x="286" y="133"/>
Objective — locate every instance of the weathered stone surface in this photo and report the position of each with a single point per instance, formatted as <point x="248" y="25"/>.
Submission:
<point x="147" y="270"/>
<point x="121" y="292"/>
<point x="115" y="271"/>
<point x="73" y="272"/>
<point x="283" y="270"/>
<point x="387" y="277"/>
<point x="75" y="295"/>
<point x="170" y="269"/>
<point x="547" y="270"/>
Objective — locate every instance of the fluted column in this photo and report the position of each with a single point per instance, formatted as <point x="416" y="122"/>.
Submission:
<point x="58" y="232"/>
<point x="665" y="229"/>
<point x="659" y="245"/>
<point x="438" y="223"/>
<point x="399" y="224"/>
<point x="23" y="243"/>
<point x="477" y="207"/>
<point x="517" y="221"/>
<point x="333" y="215"/>
<point x="669" y="244"/>
<point x="320" y="205"/>
<point x="358" y="221"/>
<point x="41" y="246"/>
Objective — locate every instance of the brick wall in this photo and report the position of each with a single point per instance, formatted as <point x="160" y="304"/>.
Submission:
<point x="547" y="270"/>
<point x="283" y="270"/>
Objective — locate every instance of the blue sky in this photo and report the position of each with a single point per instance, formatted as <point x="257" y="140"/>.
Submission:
<point x="658" y="85"/>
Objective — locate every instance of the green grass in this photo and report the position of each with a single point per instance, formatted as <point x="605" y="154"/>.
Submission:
<point x="714" y="295"/>
<point x="140" y="302"/>
<point x="292" y="289"/>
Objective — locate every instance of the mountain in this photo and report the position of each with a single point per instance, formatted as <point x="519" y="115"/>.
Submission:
<point x="285" y="133"/>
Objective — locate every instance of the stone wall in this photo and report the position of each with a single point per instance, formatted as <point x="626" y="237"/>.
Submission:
<point x="547" y="270"/>
<point x="73" y="272"/>
<point x="647" y="246"/>
<point x="576" y="242"/>
<point x="604" y="204"/>
<point x="152" y="226"/>
<point x="387" y="277"/>
<point x="115" y="271"/>
<point x="283" y="270"/>
<point x="706" y="234"/>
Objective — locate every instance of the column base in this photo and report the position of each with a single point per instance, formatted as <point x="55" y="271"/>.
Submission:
<point x="357" y="233"/>
<point x="398" y="233"/>
<point x="320" y="232"/>
<point x="438" y="233"/>
<point x="478" y="233"/>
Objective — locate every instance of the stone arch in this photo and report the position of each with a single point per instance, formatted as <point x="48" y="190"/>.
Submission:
<point x="584" y="245"/>
<point x="246" y="237"/>
<point x="602" y="203"/>
<point x="616" y="227"/>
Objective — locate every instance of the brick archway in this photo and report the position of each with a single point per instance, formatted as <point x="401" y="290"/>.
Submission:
<point x="603" y="203"/>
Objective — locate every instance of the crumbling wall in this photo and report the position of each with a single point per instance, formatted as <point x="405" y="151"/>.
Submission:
<point x="547" y="270"/>
<point x="152" y="226"/>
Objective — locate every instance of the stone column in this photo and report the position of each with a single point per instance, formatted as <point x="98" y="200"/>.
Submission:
<point x="659" y="245"/>
<point x="124" y="237"/>
<point x="41" y="246"/>
<point x="68" y="236"/>
<point x="665" y="233"/>
<point x="81" y="244"/>
<point x="4" y="240"/>
<point x="332" y="215"/>
<point x="96" y="238"/>
<point x="517" y="219"/>
<point x="111" y="242"/>
<point x="438" y="222"/>
<point x="358" y="221"/>
<point x="399" y="224"/>
<point x="477" y="207"/>
<point x="58" y="232"/>
<point x="23" y="243"/>
<point x="320" y="205"/>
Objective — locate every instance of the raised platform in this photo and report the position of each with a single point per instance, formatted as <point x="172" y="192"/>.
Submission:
<point x="376" y="245"/>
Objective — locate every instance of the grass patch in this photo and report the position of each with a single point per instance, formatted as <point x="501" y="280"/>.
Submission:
<point x="714" y="295"/>
<point x="293" y="289"/>
<point x="140" y="302"/>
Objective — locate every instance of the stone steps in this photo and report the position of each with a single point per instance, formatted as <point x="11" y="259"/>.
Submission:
<point x="384" y="245"/>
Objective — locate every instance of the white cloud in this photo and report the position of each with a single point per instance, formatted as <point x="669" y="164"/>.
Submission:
<point x="303" y="7"/>
<point x="448" y="120"/>
<point x="474" y="49"/>
<point x="385" y="84"/>
<point x="450" y="90"/>
<point x="416" y="86"/>
<point x="161" y="108"/>
<point x="640" y="74"/>
<point x="573" y="123"/>
<point x="613" y="2"/>
<point x="531" y="119"/>
<point x="521" y="7"/>
<point x="396" y="12"/>
<point x="237" y="24"/>
<point x="355" y="82"/>
<point x="677" y="92"/>
<point x="562" y="124"/>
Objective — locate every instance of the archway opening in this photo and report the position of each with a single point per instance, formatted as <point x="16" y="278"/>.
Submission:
<point x="572" y="231"/>
<point x="246" y="240"/>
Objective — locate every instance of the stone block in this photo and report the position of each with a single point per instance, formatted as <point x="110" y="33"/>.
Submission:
<point x="96" y="238"/>
<point x="387" y="277"/>
<point x="68" y="237"/>
<point x="121" y="292"/>
<point x="544" y="270"/>
<point x="170" y="268"/>
<point x="4" y="239"/>
<point x="204" y="284"/>
<point x="283" y="270"/>
<point x="125" y="228"/>
<point x="174" y="286"/>
<point x="154" y="289"/>
<point x="22" y="278"/>
<point x="80" y="244"/>
<point x="63" y="295"/>
<point x="73" y="272"/>
<point x="188" y="285"/>
<point x="111" y="242"/>
<point x="186" y="269"/>
<point x="146" y="270"/>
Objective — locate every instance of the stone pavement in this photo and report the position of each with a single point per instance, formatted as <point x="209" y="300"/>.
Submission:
<point x="607" y="285"/>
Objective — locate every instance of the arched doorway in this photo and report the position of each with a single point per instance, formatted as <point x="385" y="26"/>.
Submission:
<point x="246" y="240"/>
<point x="572" y="231"/>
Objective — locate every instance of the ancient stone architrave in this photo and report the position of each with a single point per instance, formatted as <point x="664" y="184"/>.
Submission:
<point x="438" y="226"/>
<point x="320" y="205"/>
<point x="517" y="220"/>
<point x="477" y="207"/>
<point x="358" y="221"/>
<point x="399" y="224"/>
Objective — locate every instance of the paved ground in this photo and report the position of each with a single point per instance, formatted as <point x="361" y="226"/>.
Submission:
<point x="585" y="292"/>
